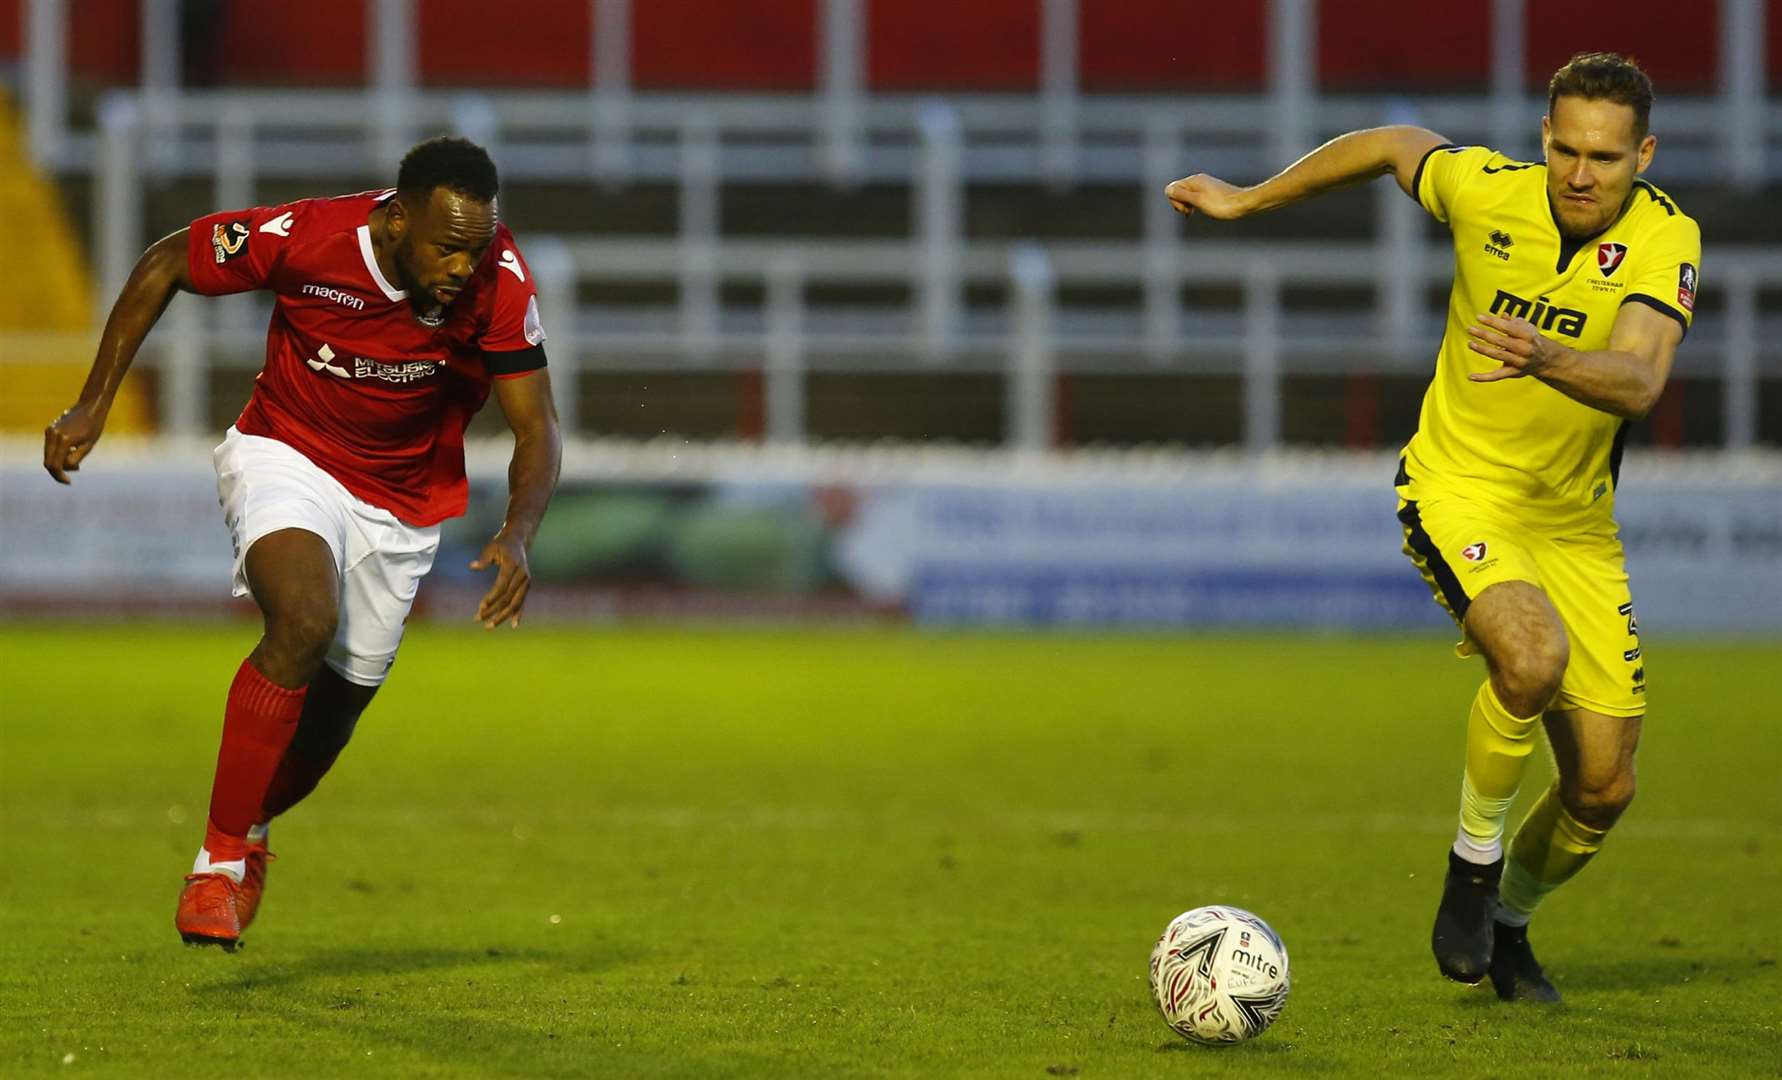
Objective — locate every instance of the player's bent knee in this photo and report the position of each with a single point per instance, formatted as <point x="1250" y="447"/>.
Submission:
<point x="300" y="637"/>
<point x="1599" y="803"/>
<point x="1533" y="668"/>
<point x="1543" y="665"/>
<point x="1530" y="675"/>
<point x="1554" y="653"/>
<point x="1522" y="636"/>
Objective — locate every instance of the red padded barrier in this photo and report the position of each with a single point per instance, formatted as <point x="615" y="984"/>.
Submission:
<point x="476" y="43"/>
<point x="948" y="45"/>
<point x="313" y="43"/>
<point x="1676" y="43"/>
<point x="1389" y="45"/>
<point x="723" y="44"/>
<point x="913" y="44"/>
<point x="1773" y="24"/>
<point x="1168" y="45"/>
<point x="106" y="36"/>
<point x="12" y="28"/>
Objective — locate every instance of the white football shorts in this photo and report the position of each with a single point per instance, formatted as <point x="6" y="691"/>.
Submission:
<point x="265" y="485"/>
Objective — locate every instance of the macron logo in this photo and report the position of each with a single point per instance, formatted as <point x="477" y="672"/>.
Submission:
<point x="342" y="298"/>
<point x="510" y="261"/>
<point x="278" y="226"/>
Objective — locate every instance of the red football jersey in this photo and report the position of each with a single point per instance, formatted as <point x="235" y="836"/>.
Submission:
<point x="355" y="380"/>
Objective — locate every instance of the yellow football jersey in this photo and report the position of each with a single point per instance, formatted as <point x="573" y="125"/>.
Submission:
<point x="1520" y="443"/>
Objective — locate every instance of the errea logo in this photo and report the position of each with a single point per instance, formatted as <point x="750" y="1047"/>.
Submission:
<point x="1499" y="244"/>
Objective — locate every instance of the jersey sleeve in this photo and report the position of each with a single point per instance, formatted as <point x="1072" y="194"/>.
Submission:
<point x="1669" y="271"/>
<point x="236" y="251"/>
<point x="1444" y="174"/>
<point x="513" y="344"/>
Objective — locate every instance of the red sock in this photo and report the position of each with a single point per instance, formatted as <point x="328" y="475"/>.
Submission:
<point x="257" y="726"/>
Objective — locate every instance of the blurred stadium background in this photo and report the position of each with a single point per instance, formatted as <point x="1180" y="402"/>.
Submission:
<point x="870" y="312"/>
<point x="874" y="310"/>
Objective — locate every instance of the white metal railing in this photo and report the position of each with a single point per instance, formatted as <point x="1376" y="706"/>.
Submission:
<point x="1739" y="124"/>
<point x="935" y="264"/>
<point x="936" y="164"/>
<point x="1030" y="340"/>
<point x="936" y="146"/>
<point x="843" y="88"/>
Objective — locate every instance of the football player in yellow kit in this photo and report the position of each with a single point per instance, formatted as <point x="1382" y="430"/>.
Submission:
<point x="1574" y="281"/>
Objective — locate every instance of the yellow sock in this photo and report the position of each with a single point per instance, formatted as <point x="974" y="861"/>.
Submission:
<point x="1550" y="847"/>
<point x="1497" y="748"/>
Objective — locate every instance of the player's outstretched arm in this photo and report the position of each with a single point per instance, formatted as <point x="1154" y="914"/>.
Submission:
<point x="1344" y="160"/>
<point x="531" y="478"/>
<point x="160" y="273"/>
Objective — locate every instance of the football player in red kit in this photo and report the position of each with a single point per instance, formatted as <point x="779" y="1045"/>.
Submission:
<point x="395" y="313"/>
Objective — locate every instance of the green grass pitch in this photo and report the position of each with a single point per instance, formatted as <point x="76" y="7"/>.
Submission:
<point x="699" y="853"/>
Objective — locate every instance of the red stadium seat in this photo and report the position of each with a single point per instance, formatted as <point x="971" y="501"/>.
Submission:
<point x="522" y="45"/>
<point x="982" y="45"/>
<point x="720" y="45"/>
<point x="1388" y="45"/>
<point x="912" y="45"/>
<point x="1677" y="44"/>
<point x="316" y="43"/>
<point x="1143" y="45"/>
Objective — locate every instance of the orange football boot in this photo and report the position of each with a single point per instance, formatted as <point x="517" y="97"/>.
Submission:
<point x="207" y="911"/>
<point x="253" y="883"/>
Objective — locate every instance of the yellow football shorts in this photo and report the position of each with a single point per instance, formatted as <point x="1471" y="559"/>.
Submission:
<point x="1461" y="547"/>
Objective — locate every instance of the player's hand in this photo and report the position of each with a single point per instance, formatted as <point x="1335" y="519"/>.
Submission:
<point x="1208" y="194"/>
<point x="70" y="438"/>
<point x="1513" y="343"/>
<point x="513" y="580"/>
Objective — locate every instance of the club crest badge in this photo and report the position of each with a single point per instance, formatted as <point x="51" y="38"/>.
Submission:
<point x="228" y="240"/>
<point x="1609" y="256"/>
